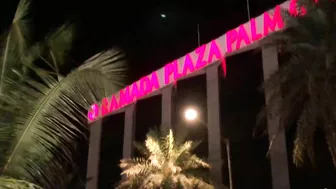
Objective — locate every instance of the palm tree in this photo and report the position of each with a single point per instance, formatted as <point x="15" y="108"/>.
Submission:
<point x="9" y="183"/>
<point x="43" y="112"/>
<point x="16" y="43"/>
<point x="165" y="164"/>
<point x="307" y="93"/>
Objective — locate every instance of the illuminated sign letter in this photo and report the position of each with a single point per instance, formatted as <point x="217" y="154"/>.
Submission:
<point x="124" y="97"/>
<point x="255" y="36"/>
<point x="105" y="106"/>
<point x="114" y="104"/>
<point x="153" y="83"/>
<point x="144" y="81"/>
<point x="177" y="74"/>
<point x="171" y="68"/>
<point x="271" y="23"/>
<point x="293" y="9"/>
<point x="168" y="70"/>
<point x="214" y="51"/>
<point x="93" y="112"/>
<point x="242" y="35"/>
<point x="135" y="92"/>
<point x="149" y="83"/>
<point x="188" y="65"/>
<point x="231" y="37"/>
<point x="200" y="63"/>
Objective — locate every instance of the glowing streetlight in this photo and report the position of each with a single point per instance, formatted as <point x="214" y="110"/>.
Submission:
<point x="190" y="114"/>
<point x="163" y="16"/>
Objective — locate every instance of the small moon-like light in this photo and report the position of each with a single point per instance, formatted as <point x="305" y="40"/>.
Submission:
<point x="190" y="114"/>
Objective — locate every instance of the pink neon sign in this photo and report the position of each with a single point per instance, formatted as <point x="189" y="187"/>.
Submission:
<point x="299" y="11"/>
<point x="172" y="72"/>
<point x="234" y="40"/>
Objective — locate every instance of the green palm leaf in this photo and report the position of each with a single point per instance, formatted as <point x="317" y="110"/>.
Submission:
<point x="51" y="116"/>
<point x="16" y="44"/>
<point x="165" y="165"/>
<point x="43" y="111"/>
<point x="9" y="183"/>
<point x="54" y="50"/>
<point x="302" y="91"/>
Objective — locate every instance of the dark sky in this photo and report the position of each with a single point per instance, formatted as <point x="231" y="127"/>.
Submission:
<point x="150" y="42"/>
<point x="136" y="26"/>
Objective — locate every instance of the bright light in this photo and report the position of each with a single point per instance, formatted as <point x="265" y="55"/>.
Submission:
<point x="163" y="16"/>
<point x="190" y="114"/>
<point x="155" y="162"/>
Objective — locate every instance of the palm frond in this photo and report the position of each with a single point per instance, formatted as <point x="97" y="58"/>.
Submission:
<point x="168" y="145"/>
<point x="51" y="118"/>
<point x="168" y="165"/>
<point x="115" y="71"/>
<point x="154" y="148"/>
<point x="15" y="49"/>
<point x="153" y="180"/>
<point x="125" y="163"/>
<point x="141" y="148"/>
<point x="9" y="183"/>
<point x="200" y="183"/>
<point x="184" y="148"/>
<point x="195" y="162"/>
<point x="132" y="183"/>
<point x="58" y="44"/>
<point x="301" y="92"/>
<point x="138" y="169"/>
<point x="185" y="182"/>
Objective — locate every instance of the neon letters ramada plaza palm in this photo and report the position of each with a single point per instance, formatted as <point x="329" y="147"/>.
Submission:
<point x="201" y="57"/>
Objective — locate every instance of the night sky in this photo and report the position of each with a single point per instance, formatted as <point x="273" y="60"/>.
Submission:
<point x="150" y="42"/>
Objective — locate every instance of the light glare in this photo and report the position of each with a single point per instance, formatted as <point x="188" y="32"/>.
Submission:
<point x="190" y="114"/>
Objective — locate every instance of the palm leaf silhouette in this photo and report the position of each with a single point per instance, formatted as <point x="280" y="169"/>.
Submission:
<point x="51" y="116"/>
<point x="15" y="47"/>
<point x="306" y="96"/>
<point x="43" y="113"/>
<point x="9" y="183"/>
